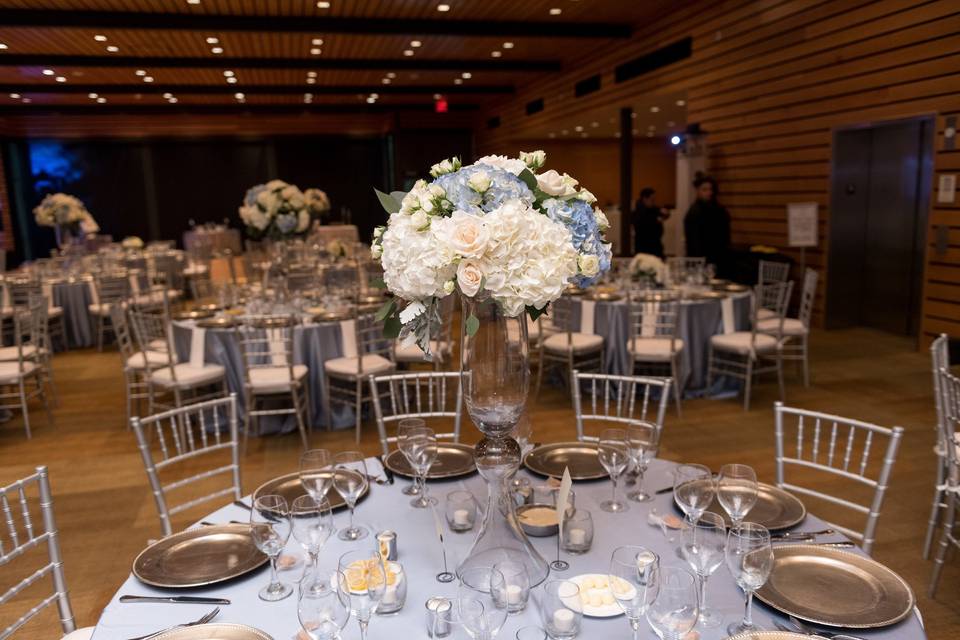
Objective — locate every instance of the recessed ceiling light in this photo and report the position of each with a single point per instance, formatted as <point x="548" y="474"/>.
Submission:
<point x="311" y="74"/>
<point x="508" y="45"/>
<point x="100" y="37"/>
<point x="93" y="96"/>
<point x="323" y="5"/>
<point x="48" y="72"/>
<point x="101" y="100"/>
<point x="564" y="132"/>
<point x="317" y="41"/>
<point x="584" y="134"/>
<point x="670" y="123"/>
<point x="386" y="81"/>
<point x="552" y="135"/>
<point x="315" y="51"/>
<point x="391" y="75"/>
<point x="594" y="124"/>
<point x="371" y="100"/>
<point x="213" y="40"/>
<point x="437" y="96"/>
<point x="167" y="96"/>
<point x="27" y="100"/>
<point x="231" y="80"/>
<point x="680" y="103"/>
<point x="217" y="50"/>
<point x="458" y="81"/>
<point x="443" y="7"/>
<point x="578" y="128"/>
<point x="228" y="73"/>
<point x="466" y="75"/>
<point x="415" y="43"/>
<point x="616" y="134"/>
<point x="633" y="115"/>
<point x="148" y="78"/>
<point x="654" y="109"/>
<point x="408" y="52"/>
<point x="556" y="11"/>
<point x="140" y="72"/>
<point x="311" y="81"/>
<point x="172" y="100"/>
<point x="496" y="54"/>
<point x="649" y="134"/>
<point x="15" y="96"/>
<point x="2" y="46"/>
<point x="193" y="1"/>
<point x="239" y="96"/>
<point x="113" y="48"/>
<point x="61" y="79"/>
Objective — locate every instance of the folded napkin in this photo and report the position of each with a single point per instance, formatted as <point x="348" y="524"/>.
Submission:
<point x="94" y="296"/>
<point x="726" y="309"/>
<point x="134" y="283"/>
<point x="198" y="338"/>
<point x="587" y="313"/>
<point x="47" y="288"/>
<point x="278" y="347"/>
<point x="348" y="338"/>
<point x="648" y="323"/>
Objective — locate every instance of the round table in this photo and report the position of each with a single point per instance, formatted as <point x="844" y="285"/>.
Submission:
<point x="419" y="553"/>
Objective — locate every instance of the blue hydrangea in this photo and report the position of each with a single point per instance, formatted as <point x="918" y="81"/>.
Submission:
<point x="504" y="186"/>
<point x="578" y="216"/>
<point x="286" y="222"/>
<point x="250" y="199"/>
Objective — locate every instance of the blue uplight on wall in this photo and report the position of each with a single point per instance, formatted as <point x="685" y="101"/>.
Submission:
<point x="53" y="167"/>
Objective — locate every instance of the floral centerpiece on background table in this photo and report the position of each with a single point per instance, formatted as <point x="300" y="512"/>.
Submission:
<point x="646" y="267"/>
<point x="317" y="202"/>
<point x="275" y="210"/>
<point x="132" y="243"/>
<point x="67" y="215"/>
<point x="494" y="229"/>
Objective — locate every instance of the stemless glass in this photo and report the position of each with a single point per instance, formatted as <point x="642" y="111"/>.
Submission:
<point x="350" y="481"/>
<point x="737" y="490"/>
<point x="364" y="580"/>
<point x="750" y="560"/>
<point x="481" y="602"/>
<point x="316" y="472"/>
<point x="423" y="453"/>
<point x="703" y="547"/>
<point x="561" y="609"/>
<point x="612" y="451"/>
<point x="693" y="489"/>
<point x="323" y="613"/>
<point x="643" y="444"/>
<point x="634" y="582"/>
<point x="674" y="613"/>
<point x="403" y="426"/>
<point x="312" y="523"/>
<point x="270" y="529"/>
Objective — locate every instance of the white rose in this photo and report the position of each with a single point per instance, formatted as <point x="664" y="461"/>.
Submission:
<point x="303" y="221"/>
<point x="469" y="277"/>
<point x="589" y="264"/>
<point x="586" y="196"/>
<point x="376" y="251"/>
<point x="511" y="165"/>
<point x="554" y="184"/>
<point x="534" y="159"/>
<point x="274" y="185"/>
<point x="378" y="232"/>
<point x="449" y="286"/>
<point x="479" y="182"/>
<point x="601" y="218"/>
<point x="420" y="219"/>
<point x="466" y="234"/>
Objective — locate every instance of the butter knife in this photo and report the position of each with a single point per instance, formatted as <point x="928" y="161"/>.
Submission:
<point x="174" y="599"/>
<point x="386" y="470"/>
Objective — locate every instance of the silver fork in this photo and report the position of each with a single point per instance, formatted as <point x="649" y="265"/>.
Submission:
<point x="201" y="620"/>
<point x="810" y="631"/>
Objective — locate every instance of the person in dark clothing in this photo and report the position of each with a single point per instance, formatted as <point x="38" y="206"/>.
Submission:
<point x="648" y="224"/>
<point x="707" y="225"/>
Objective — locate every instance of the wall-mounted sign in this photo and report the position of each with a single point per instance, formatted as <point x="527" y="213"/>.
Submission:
<point x="947" y="188"/>
<point x="802" y="224"/>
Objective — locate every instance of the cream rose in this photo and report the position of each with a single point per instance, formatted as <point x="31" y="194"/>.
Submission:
<point x="469" y="236"/>
<point x="533" y="159"/>
<point x="554" y="184"/>
<point x="589" y="264"/>
<point x="586" y="196"/>
<point x="469" y="277"/>
<point x="479" y="182"/>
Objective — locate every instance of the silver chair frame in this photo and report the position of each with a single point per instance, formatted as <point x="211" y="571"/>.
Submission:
<point x="772" y="271"/>
<point x="613" y="399"/>
<point x="112" y="288"/>
<point x="665" y="325"/>
<point x="940" y="359"/>
<point x="416" y="395"/>
<point x="949" y="387"/>
<point x="560" y="320"/>
<point x="29" y="331"/>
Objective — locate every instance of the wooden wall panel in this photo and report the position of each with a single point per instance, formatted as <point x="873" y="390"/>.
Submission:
<point x="6" y="235"/>
<point x="770" y="81"/>
<point x="941" y="294"/>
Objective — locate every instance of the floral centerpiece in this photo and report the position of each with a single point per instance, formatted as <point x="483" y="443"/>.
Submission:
<point x="336" y="248"/>
<point x="275" y="210"/>
<point x="67" y="214"/>
<point x="317" y="202"/>
<point x="647" y="267"/>
<point x="494" y="229"/>
<point x="132" y="243"/>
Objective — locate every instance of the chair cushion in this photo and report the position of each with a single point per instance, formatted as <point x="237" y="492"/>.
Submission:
<point x="80" y="634"/>
<point x="347" y="367"/>
<point x="764" y="314"/>
<point x="154" y="358"/>
<point x="653" y="349"/>
<point x="581" y="342"/>
<point x="54" y="312"/>
<point x="791" y="326"/>
<point x="10" y="371"/>
<point x="157" y="345"/>
<point x="99" y="309"/>
<point x="739" y="342"/>
<point x="8" y="354"/>
<point x="275" y="379"/>
<point x="414" y="353"/>
<point x="187" y="375"/>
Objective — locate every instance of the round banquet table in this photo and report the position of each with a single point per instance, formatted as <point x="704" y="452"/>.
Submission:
<point x="419" y="553"/>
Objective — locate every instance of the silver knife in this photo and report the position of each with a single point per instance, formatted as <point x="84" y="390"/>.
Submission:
<point x="839" y="545"/>
<point x="175" y="599"/>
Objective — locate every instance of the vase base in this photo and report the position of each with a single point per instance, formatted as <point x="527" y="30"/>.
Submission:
<point x="537" y="569"/>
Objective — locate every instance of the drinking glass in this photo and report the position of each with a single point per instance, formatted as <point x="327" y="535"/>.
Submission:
<point x="350" y="481"/>
<point x="612" y="451"/>
<point x="750" y="560"/>
<point x="693" y="489"/>
<point x="634" y="582"/>
<point x="674" y="613"/>
<point x="643" y="444"/>
<point x="270" y="529"/>
<point x="561" y="609"/>
<point x="578" y="532"/>
<point x="522" y="432"/>
<point x="312" y="523"/>
<point x="364" y="580"/>
<point x="481" y="604"/>
<point x="531" y="632"/>
<point x="703" y="546"/>
<point x="316" y="472"/>
<point x="323" y="614"/>
<point x="402" y="427"/>
<point x="737" y="490"/>
<point x="516" y="588"/>
<point x="422" y="443"/>
<point x="461" y="510"/>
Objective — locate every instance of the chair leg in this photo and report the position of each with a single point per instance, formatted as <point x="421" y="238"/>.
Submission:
<point x="128" y="389"/>
<point x="709" y="368"/>
<point x="23" y="409"/>
<point x="99" y="332"/>
<point x="536" y="393"/>
<point x="783" y="388"/>
<point x="747" y="384"/>
<point x="359" y="407"/>
<point x="327" y="409"/>
<point x="934" y="511"/>
<point x="43" y="398"/>
<point x="806" y="362"/>
<point x="300" y="425"/>
<point x="676" y="386"/>
<point x="248" y="418"/>
<point x="944" y="543"/>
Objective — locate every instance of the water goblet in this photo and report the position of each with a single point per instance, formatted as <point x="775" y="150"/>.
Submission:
<point x="750" y="560"/>
<point x="312" y="523"/>
<point x="316" y="472"/>
<point x="674" y="613"/>
<point x="693" y="489"/>
<point x="365" y="581"/>
<point x="634" y="582"/>
<point x="643" y="444"/>
<point x="422" y="443"/>
<point x="737" y="490"/>
<point x="561" y="609"/>
<point x="481" y="601"/>
<point x="323" y="613"/>
<point x="350" y="481"/>
<point x="270" y="530"/>
<point x="703" y="546"/>
<point x="403" y="426"/>
<point x="523" y="431"/>
<point x="612" y="452"/>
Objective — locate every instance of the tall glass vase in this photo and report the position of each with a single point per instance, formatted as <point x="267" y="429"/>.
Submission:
<point x="495" y="377"/>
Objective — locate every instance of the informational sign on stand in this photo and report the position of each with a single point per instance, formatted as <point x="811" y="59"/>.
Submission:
<point x="802" y="224"/>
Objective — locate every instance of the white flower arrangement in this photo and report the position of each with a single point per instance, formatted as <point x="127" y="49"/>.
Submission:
<point x="63" y="210"/>
<point x="492" y="230"/>
<point x="317" y="201"/>
<point x="336" y="247"/>
<point x="647" y="266"/>
<point x="132" y="242"/>
<point x="275" y="210"/>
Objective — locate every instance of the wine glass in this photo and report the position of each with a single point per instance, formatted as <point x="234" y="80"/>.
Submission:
<point x="422" y="443"/>
<point x="634" y="582"/>
<point x="350" y="481"/>
<point x="316" y="472"/>
<point x="750" y="560"/>
<point x="703" y="546"/>
<point x="270" y="530"/>
<point x="312" y="523"/>
<point x="643" y="444"/>
<point x="365" y="580"/>
<point x="693" y="489"/>
<point x="612" y="451"/>
<point x="403" y="426"/>
<point x="481" y="601"/>
<point x="674" y="613"/>
<point x="737" y="490"/>
<point x="323" y="613"/>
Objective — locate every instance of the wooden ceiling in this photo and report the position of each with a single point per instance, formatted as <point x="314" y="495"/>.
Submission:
<point x="293" y="54"/>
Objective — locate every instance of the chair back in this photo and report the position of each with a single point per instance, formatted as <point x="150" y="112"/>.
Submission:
<point x="559" y="319"/>
<point x="302" y="280"/>
<point x="344" y="278"/>
<point x="266" y="342"/>
<point x="620" y="400"/>
<point x="772" y="271"/>
<point x="840" y="447"/>
<point x="940" y="358"/>
<point x="417" y="395"/>
<point x="121" y="327"/>
<point x="30" y="335"/>
<point x="774" y="298"/>
<point x="152" y="329"/>
<point x="201" y="286"/>
<point x="112" y="288"/>
<point x="176" y="442"/>
<point x="370" y="340"/>
<point x="21" y="290"/>
<point x="950" y="397"/>
<point x="654" y="320"/>
<point x="807" y="296"/>
<point x="23" y="532"/>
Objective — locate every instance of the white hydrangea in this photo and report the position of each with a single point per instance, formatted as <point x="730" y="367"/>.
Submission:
<point x="512" y="165"/>
<point x="416" y="264"/>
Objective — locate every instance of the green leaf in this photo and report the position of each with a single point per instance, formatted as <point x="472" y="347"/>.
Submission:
<point x="473" y="324"/>
<point x="385" y="310"/>
<point x="392" y="326"/>
<point x="378" y="283"/>
<point x="535" y="313"/>
<point x="398" y="195"/>
<point x="529" y="179"/>
<point x="388" y="202"/>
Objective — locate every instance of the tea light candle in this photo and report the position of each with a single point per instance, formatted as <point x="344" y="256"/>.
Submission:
<point x="514" y="594"/>
<point x="389" y="594"/>
<point x="577" y="536"/>
<point x="461" y="517"/>
<point x="563" y="619"/>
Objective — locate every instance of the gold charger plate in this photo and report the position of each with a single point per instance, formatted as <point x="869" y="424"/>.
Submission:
<point x="775" y="509"/>
<point x="199" y="557"/>
<point x="332" y="316"/>
<point x="707" y="295"/>
<point x="769" y="635"/>
<point x="217" y="323"/>
<point x="453" y="460"/>
<point x="214" y="631"/>
<point x="736" y="288"/>
<point x="606" y="296"/>
<point x="836" y="588"/>
<point x="290" y="487"/>
<point x="551" y="459"/>
<point x="196" y="314"/>
<point x="371" y="299"/>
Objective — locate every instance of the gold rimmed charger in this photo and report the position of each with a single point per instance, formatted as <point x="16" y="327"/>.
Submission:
<point x="217" y="323"/>
<point x="214" y="631"/>
<point x="580" y="457"/>
<point x="199" y="557"/>
<point x="835" y="588"/>
<point x="453" y="460"/>
<point x="770" y="635"/>
<point x="195" y="314"/>
<point x="736" y="288"/>
<point x="290" y="487"/>
<point x="775" y="508"/>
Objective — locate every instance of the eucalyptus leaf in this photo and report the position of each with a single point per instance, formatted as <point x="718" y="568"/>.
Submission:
<point x="389" y="203"/>
<point x="399" y="195"/>
<point x="392" y="326"/>
<point x="472" y="325"/>
<point x="385" y="310"/>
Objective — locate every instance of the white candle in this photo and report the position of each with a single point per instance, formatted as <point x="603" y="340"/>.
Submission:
<point x="389" y="594"/>
<point x="514" y="594"/>
<point x="563" y="619"/>
<point x="461" y="517"/>
<point x="577" y="536"/>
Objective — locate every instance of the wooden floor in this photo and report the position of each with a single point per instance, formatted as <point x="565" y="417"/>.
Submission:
<point x="106" y="514"/>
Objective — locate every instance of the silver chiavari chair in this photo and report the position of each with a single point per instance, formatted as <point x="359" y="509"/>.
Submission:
<point x="269" y="372"/>
<point x="796" y="331"/>
<point x="180" y="442"/>
<point x="367" y="353"/>
<point x="201" y="286"/>
<point x="112" y="288"/>
<point x="950" y="485"/>
<point x="940" y="358"/>
<point x="342" y="278"/>
<point x="441" y="345"/>
<point x="653" y="341"/>
<point x="840" y="447"/>
<point x="626" y="400"/>
<point x="20" y="293"/>
<point x="681" y="268"/>
<point x="772" y="271"/>
<point x="24" y="533"/>
<point x="561" y="345"/>
<point x="24" y="377"/>
<point x="435" y="395"/>
<point x="135" y="361"/>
